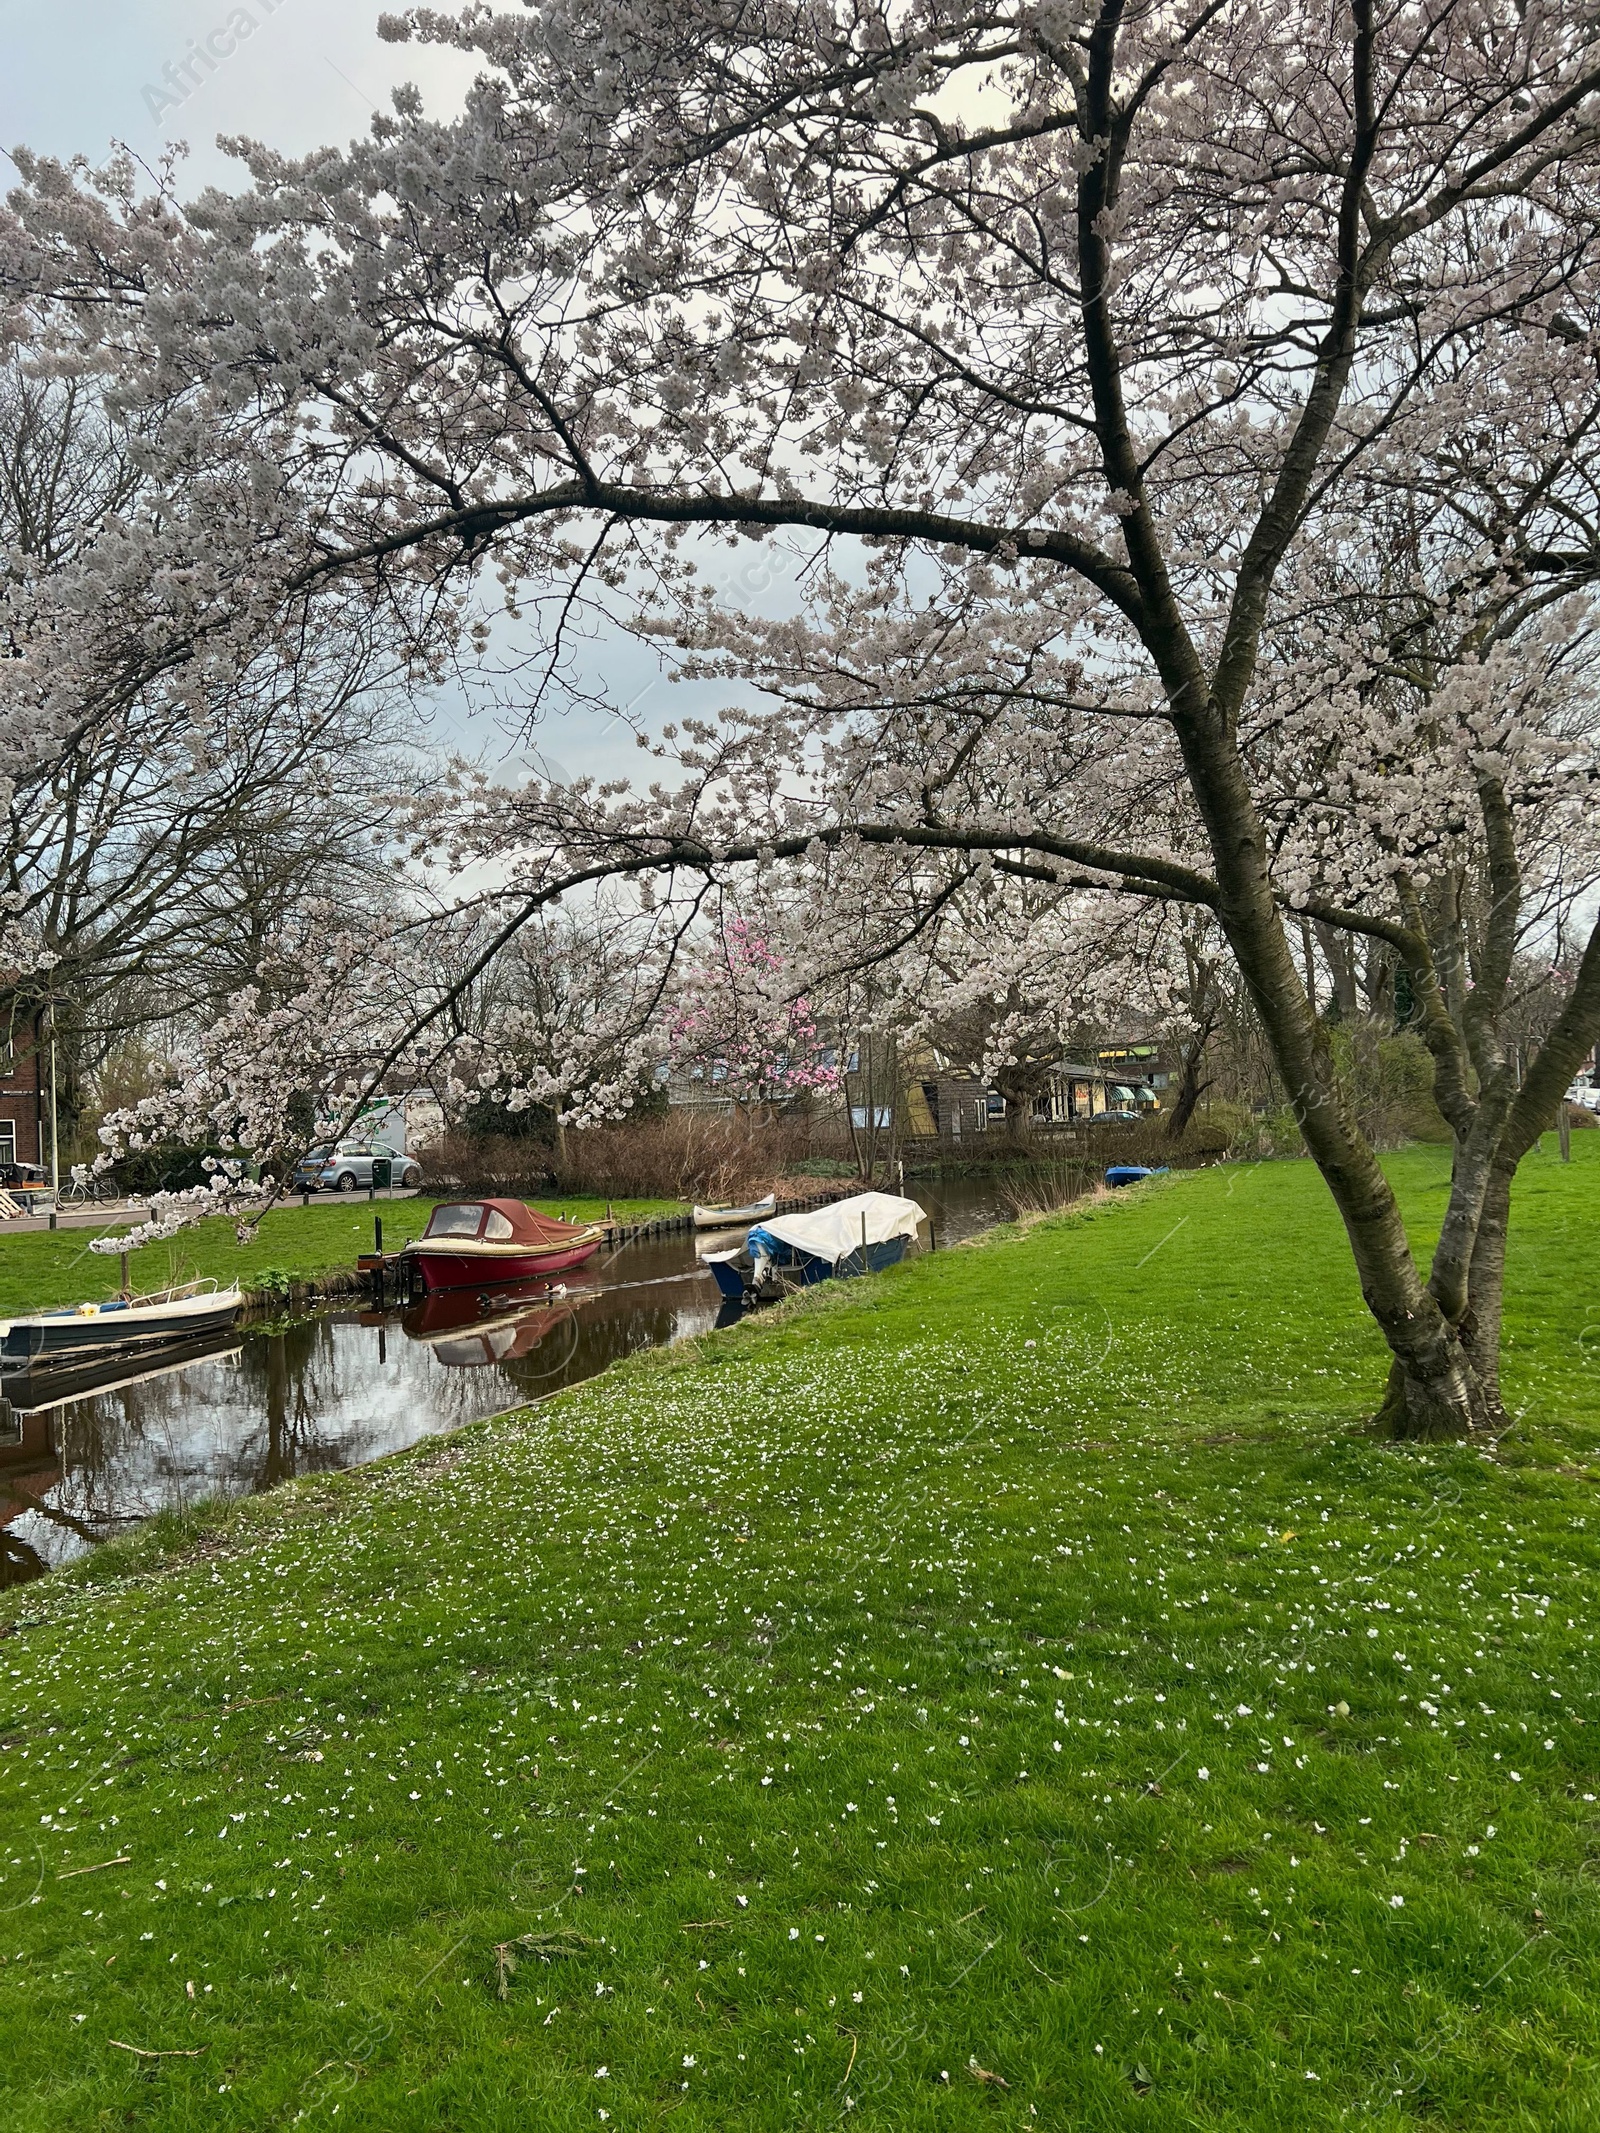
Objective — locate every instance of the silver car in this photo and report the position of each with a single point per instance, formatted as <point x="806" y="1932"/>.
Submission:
<point x="348" y="1167"/>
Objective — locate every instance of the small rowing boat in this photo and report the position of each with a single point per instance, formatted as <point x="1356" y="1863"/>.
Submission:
<point x="478" y="1244"/>
<point x="735" y="1217"/>
<point x="124" y="1324"/>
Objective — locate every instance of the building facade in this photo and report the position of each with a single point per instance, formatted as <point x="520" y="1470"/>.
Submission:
<point x="24" y="1089"/>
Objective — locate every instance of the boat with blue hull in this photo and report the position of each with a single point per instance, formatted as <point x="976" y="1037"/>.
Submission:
<point x="861" y="1235"/>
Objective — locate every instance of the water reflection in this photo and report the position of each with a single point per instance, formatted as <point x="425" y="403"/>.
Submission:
<point x="314" y="1394"/>
<point x="82" y="1458"/>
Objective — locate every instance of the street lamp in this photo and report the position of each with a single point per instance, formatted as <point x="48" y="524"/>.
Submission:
<point x="55" y="1144"/>
<point x="49" y="1020"/>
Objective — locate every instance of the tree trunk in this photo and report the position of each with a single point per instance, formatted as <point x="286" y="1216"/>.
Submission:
<point x="862" y="1138"/>
<point x="1017" y="1092"/>
<point x="1339" y="953"/>
<point x="1189" y="1082"/>
<point x="1450" y="1405"/>
<point x="1189" y="1095"/>
<point x="1524" y="1114"/>
<point x="1190" y="1087"/>
<point x="1480" y="1330"/>
<point x="1433" y="1392"/>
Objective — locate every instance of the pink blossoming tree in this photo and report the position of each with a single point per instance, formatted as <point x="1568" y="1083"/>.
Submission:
<point x="736" y="1026"/>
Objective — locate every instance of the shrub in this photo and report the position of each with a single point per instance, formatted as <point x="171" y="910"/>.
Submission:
<point x="488" y="1163"/>
<point x="1388" y="1083"/>
<point x="1278" y="1133"/>
<point x="1235" y="1129"/>
<point x="682" y="1155"/>
<point x="1392" y="1084"/>
<point x="168" y="1168"/>
<point x="1044" y="1187"/>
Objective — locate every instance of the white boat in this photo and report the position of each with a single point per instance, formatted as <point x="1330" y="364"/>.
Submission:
<point x="122" y="1323"/>
<point x="735" y="1217"/>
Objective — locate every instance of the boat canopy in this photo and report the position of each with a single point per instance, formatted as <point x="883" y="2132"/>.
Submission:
<point x="496" y="1222"/>
<point x="833" y="1233"/>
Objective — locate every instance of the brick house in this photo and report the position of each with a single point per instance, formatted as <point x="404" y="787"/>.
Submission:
<point x="24" y="1077"/>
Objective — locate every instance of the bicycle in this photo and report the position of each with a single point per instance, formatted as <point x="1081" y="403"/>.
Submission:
<point x="91" y="1192"/>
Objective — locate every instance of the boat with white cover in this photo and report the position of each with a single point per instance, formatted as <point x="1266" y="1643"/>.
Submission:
<point x="861" y="1235"/>
<point x="123" y="1324"/>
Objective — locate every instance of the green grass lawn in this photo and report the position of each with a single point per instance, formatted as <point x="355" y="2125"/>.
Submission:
<point x="43" y="1267"/>
<point x="1009" y="1693"/>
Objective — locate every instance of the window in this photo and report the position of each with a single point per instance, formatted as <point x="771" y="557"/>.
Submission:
<point x="498" y="1226"/>
<point x="8" y="1141"/>
<point x="461" y="1220"/>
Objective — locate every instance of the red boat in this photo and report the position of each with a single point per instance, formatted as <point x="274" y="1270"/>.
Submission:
<point x="478" y="1244"/>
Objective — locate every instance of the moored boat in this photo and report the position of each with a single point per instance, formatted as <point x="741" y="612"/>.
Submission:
<point x="124" y="1324"/>
<point x="484" y="1243"/>
<point x="735" y="1217"/>
<point x="732" y="1273"/>
<point x="861" y="1235"/>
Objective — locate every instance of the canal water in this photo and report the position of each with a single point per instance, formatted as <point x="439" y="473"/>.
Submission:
<point x="335" y="1386"/>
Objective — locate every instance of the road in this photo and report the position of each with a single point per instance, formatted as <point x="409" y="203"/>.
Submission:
<point x="122" y="1214"/>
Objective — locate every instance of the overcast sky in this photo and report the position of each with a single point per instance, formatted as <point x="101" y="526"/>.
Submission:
<point x="78" y="75"/>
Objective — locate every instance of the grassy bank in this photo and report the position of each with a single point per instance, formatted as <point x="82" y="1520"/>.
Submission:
<point x="1009" y="1693"/>
<point x="293" y="1246"/>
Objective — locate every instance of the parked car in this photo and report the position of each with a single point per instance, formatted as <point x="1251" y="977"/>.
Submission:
<point x="1586" y="1093"/>
<point x="347" y="1167"/>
